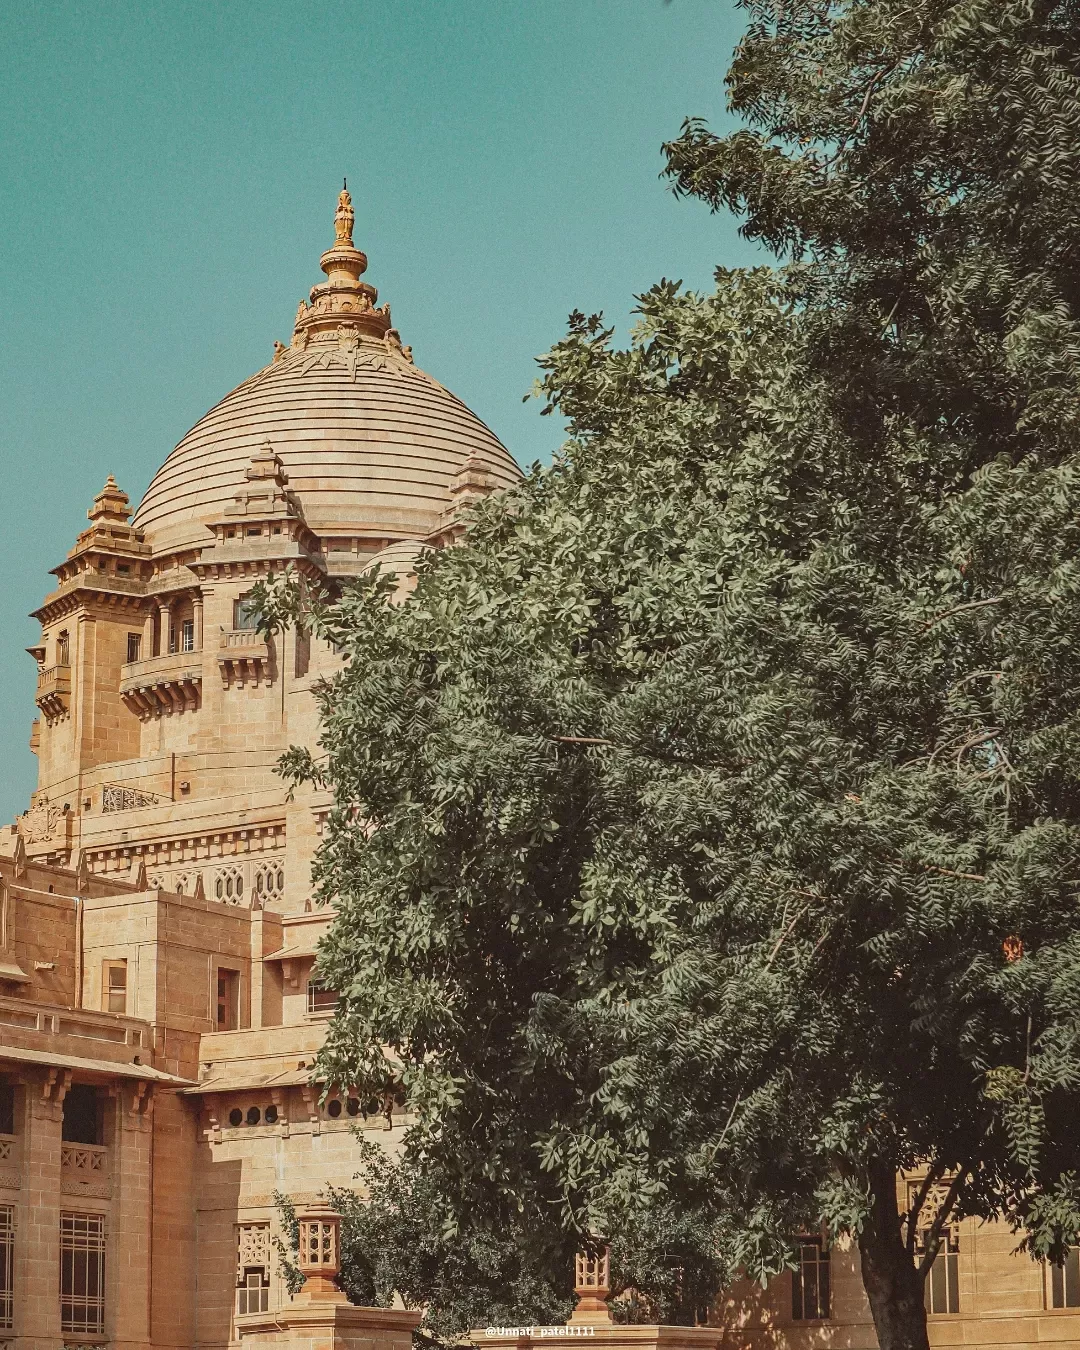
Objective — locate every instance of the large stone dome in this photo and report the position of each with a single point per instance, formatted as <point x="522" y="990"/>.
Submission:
<point x="371" y="445"/>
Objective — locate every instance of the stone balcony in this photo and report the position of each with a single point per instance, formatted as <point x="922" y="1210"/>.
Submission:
<point x="244" y="657"/>
<point x="53" y="695"/>
<point x="84" y="1170"/>
<point x="162" y="685"/>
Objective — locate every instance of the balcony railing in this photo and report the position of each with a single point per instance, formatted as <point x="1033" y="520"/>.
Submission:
<point x="53" y="695"/>
<point x="82" y="1023"/>
<point x="243" y="657"/>
<point x="162" y="685"/>
<point x="88" y="1160"/>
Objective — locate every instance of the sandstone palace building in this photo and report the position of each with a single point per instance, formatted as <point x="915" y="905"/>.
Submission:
<point x="159" y="1014"/>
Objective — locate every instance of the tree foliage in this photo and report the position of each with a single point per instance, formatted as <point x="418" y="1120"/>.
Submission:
<point x="706" y="834"/>
<point x="398" y="1239"/>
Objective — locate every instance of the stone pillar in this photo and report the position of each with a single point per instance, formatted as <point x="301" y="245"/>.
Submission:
<point x="164" y="624"/>
<point x="197" y="616"/>
<point x="127" y="1258"/>
<point x="320" y="1317"/>
<point x="37" y="1229"/>
<point x="147" y="649"/>
<point x="265" y="986"/>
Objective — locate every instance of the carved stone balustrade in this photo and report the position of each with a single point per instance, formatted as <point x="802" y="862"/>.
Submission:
<point x="162" y="685"/>
<point x="53" y="695"/>
<point x="244" y="657"/>
<point x="84" y="1170"/>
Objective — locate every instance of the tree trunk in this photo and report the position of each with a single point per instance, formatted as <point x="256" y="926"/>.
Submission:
<point x="891" y="1279"/>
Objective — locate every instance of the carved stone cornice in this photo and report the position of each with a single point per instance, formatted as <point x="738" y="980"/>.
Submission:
<point x="97" y="597"/>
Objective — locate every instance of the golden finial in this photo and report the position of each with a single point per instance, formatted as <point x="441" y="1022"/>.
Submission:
<point x="343" y="220"/>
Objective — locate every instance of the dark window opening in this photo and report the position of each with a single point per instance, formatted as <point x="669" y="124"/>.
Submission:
<point x="236" y="1117"/>
<point x="228" y="999"/>
<point x="82" y="1115"/>
<point x="1065" y="1282"/>
<point x="7" y="1109"/>
<point x="134" y="646"/>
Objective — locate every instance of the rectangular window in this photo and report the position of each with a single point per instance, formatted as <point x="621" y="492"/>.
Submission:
<point x="134" y="646"/>
<point x="253" y="1296"/>
<point x="942" y="1282"/>
<point x="1065" y="1282"/>
<point x="114" y="987"/>
<point x="228" y="999"/>
<point x="319" y="998"/>
<point x="810" y="1282"/>
<point x="252" y="1268"/>
<point x="7" y="1267"/>
<point x="245" y="615"/>
<point x="63" y="650"/>
<point x="82" y="1274"/>
<point x="187" y="635"/>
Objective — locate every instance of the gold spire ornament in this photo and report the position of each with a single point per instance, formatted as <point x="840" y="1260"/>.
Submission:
<point x="343" y="220"/>
<point x="343" y="309"/>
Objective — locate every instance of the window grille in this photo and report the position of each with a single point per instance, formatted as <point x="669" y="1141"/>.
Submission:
<point x="942" y="1289"/>
<point x="942" y="1282"/>
<point x="252" y="1268"/>
<point x="117" y="798"/>
<point x="134" y="646"/>
<point x="810" y="1282"/>
<point x="187" y="635"/>
<point x="270" y="881"/>
<point x="7" y="1267"/>
<point x="1065" y="1282"/>
<point x="229" y="886"/>
<point x="82" y="1274"/>
<point x="319" y="998"/>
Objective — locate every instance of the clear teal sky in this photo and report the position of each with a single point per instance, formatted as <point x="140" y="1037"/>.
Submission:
<point x="168" y="175"/>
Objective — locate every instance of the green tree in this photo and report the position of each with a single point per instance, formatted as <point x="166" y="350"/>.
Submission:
<point x="689" y="814"/>
<point x="398" y="1237"/>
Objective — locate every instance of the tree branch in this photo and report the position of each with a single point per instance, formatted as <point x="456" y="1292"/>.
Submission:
<point x="959" y="609"/>
<point x="934" y="1174"/>
<point x="933" y="1235"/>
<point x="788" y="930"/>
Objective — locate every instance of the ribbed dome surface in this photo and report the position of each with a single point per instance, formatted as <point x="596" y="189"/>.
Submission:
<point x="369" y="444"/>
